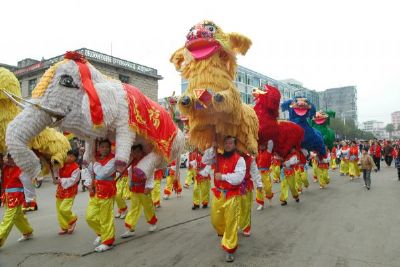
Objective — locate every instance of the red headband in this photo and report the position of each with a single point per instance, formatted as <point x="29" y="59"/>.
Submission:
<point x="96" y="111"/>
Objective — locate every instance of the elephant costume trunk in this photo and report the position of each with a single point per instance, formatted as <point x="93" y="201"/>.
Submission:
<point x="28" y="124"/>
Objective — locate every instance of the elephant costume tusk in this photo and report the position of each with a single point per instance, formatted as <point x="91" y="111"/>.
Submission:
<point x="17" y="100"/>
<point x="10" y="96"/>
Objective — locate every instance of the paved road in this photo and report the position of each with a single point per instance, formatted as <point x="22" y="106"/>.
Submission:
<point x="344" y="225"/>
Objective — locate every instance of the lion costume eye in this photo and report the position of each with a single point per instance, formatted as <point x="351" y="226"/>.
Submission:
<point x="67" y="81"/>
<point x="211" y="28"/>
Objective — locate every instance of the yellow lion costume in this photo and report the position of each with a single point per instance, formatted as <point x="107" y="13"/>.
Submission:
<point x="212" y="101"/>
<point x="49" y="143"/>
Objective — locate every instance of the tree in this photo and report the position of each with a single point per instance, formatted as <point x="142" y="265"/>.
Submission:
<point x="349" y="130"/>
<point x="390" y="129"/>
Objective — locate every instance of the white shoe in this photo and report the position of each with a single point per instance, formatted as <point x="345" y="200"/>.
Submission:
<point x="152" y="228"/>
<point x="102" y="248"/>
<point x="117" y="215"/>
<point x="123" y="214"/>
<point x="127" y="234"/>
<point x="165" y="197"/>
<point x="25" y="237"/>
<point x="260" y="207"/>
<point x="97" y="241"/>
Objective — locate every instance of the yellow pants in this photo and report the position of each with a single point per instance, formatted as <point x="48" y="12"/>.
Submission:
<point x="120" y="197"/>
<point x="323" y="177"/>
<point x="225" y="216"/>
<point x="65" y="215"/>
<point x="246" y="202"/>
<point x="344" y="166"/>
<point x="276" y="172"/>
<point x="354" y="170"/>
<point x="100" y="217"/>
<point x="156" y="192"/>
<point x="14" y="216"/>
<point x="169" y="185"/>
<point x="201" y="192"/>
<point x="290" y="182"/>
<point x="314" y="168"/>
<point x="139" y="200"/>
<point x="190" y="177"/>
<point x="267" y="188"/>
<point x="333" y="164"/>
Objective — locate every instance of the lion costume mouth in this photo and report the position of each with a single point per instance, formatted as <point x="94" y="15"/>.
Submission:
<point x="320" y="121"/>
<point x="202" y="48"/>
<point x="300" y="111"/>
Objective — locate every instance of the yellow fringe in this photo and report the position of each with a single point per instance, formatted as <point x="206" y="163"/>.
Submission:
<point x="52" y="144"/>
<point x="47" y="77"/>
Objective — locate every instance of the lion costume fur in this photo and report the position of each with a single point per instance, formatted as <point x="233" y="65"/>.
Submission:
<point x="215" y="72"/>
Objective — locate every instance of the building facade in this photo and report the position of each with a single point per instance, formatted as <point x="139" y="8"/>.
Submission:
<point x="247" y="79"/>
<point x="29" y="71"/>
<point x="377" y="128"/>
<point x="396" y="123"/>
<point x="342" y="100"/>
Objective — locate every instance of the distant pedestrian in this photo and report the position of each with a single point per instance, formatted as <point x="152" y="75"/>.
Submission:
<point x="397" y="161"/>
<point x="388" y="153"/>
<point x="367" y="164"/>
<point x="376" y="152"/>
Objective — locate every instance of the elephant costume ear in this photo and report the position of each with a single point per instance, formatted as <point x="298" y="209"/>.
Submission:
<point x="96" y="111"/>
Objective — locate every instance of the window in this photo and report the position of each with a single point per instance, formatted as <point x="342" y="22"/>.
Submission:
<point x="31" y="86"/>
<point x="256" y="82"/>
<point x="240" y="77"/>
<point x="248" y="79"/>
<point x="124" y="78"/>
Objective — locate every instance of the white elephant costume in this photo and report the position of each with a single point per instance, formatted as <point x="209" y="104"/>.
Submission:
<point x="79" y="99"/>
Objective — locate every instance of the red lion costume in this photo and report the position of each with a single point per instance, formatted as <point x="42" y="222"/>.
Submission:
<point x="284" y="134"/>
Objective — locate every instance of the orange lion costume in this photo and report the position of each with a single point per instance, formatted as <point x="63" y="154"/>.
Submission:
<point x="212" y="101"/>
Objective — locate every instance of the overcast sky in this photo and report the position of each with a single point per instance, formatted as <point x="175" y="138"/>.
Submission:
<point x="322" y="44"/>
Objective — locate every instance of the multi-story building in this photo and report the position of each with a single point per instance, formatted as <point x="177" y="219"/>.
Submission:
<point x="29" y="71"/>
<point x="247" y="79"/>
<point x="396" y="123"/>
<point x="342" y="100"/>
<point x="377" y="128"/>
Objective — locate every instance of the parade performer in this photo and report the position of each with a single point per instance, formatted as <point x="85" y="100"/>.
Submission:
<point x="323" y="167"/>
<point x="289" y="181"/>
<point x="212" y="102"/>
<point x="140" y="197"/>
<point x="13" y="198"/>
<point x="99" y="213"/>
<point x="354" y="170"/>
<point x="276" y="169"/>
<point x="333" y="158"/>
<point x="301" y="175"/>
<point x="191" y="171"/>
<point x="246" y="203"/>
<point x="156" y="192"/>
<point x="225" y="209"/>
<point x="172" y="184"/>
<point x="202" y="183"/>
<point x="344" y="158"/>
<point x="120" y="197"/>
<point x="49" y="144"/>
<point x="264" y="159"/>
<point x="67" y="188"/>
<point x="314" y="165"/>
<point x="74" y="95"/>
